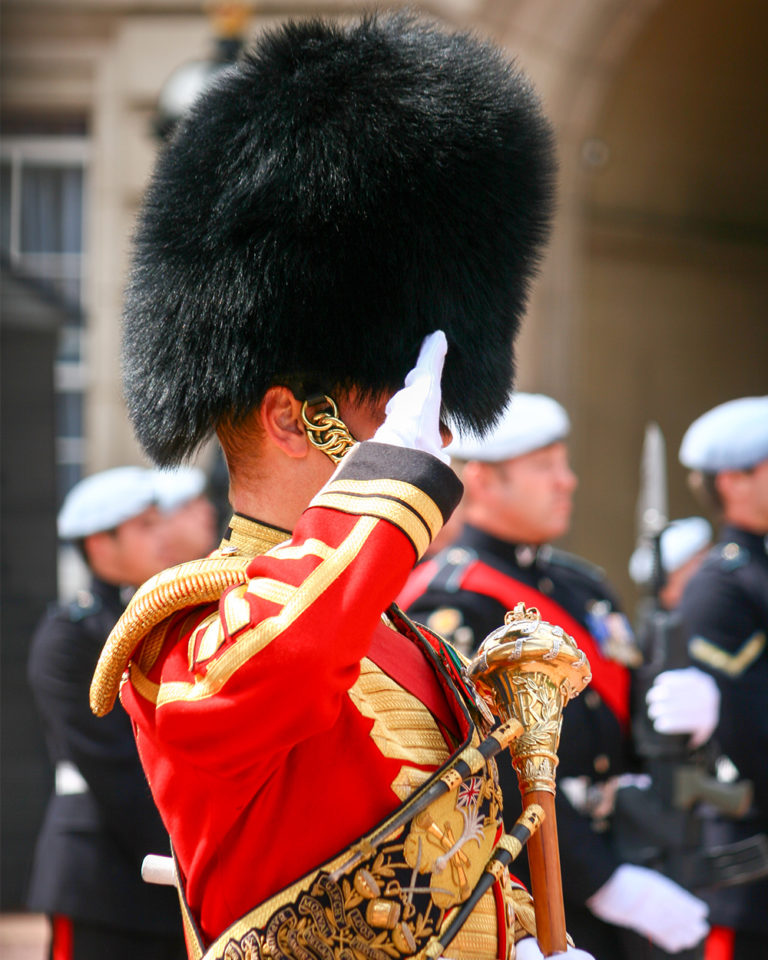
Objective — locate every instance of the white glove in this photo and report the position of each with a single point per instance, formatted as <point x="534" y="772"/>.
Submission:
<point x="528" y="949"/>
<point x="413" y="413"/>
<point x="684" y="701"/>
<point x="653" y="905"/>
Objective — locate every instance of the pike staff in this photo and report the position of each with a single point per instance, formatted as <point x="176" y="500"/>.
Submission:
<point x="529" y="670"/>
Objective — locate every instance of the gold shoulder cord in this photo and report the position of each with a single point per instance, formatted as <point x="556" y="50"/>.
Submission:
<point x="325" y="430"/>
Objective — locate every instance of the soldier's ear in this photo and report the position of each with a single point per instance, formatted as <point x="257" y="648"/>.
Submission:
<point x="280" y="415"/>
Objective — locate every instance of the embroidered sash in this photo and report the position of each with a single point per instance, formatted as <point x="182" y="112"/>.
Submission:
<point x="400" y="892"/>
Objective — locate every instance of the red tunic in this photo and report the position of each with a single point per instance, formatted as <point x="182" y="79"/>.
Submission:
<point x="270" y="737"/>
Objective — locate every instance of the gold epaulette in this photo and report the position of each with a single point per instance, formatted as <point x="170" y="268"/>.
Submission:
<point x="201" y="581"/>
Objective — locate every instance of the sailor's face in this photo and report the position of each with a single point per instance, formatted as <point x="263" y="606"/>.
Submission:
<point x="756" y="483"/>
<point x="190" y="531"/>
<point x="533" y="495"/>
<point x="134" y="551"/>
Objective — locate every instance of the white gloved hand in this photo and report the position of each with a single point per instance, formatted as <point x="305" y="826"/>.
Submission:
<point x="684" y="701"/>
<point x="653" y="905"/>
<point x="413" y="413"/>
<point x="528" y="949"/>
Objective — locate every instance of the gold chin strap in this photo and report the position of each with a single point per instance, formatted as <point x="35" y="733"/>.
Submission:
<point x="325" y="430"/>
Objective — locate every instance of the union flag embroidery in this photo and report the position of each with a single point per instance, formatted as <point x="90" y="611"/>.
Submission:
<point x="469" y="793"/>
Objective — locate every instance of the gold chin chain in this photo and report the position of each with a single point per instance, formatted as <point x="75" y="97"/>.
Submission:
<point x="325" y="430"/>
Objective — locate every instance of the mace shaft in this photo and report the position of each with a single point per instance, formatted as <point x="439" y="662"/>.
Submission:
<point x="529" y="670"/>
<point x="546" y="880"/>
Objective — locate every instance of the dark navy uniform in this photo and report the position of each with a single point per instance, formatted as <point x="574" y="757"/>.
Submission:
<point x="101" y="820"/>
<point x="725" y="611"/>
<point x="593" y="746"/>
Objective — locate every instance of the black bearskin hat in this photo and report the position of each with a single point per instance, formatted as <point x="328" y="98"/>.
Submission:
<point x="338" y="194"/>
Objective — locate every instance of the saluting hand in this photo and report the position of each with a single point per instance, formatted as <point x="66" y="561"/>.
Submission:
<point x="413" y="413"/>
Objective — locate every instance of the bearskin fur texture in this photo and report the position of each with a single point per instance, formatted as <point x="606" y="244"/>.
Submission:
<point x="338" y="194"/>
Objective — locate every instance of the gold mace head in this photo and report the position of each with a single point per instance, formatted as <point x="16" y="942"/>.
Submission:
<point x="529" y="669"/>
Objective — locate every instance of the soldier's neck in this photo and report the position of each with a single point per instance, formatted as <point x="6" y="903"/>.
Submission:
<point x="278" y="491"/>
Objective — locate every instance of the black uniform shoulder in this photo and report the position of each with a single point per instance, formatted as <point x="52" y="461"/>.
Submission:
<point x="571" y="562"/>
<point x="720" y="576"/>
<point x="579" y="576"/>
<point x="68" y="640"/>
<point x="86" y="604"/>
<point x="725" y="609"/>
<point x="450" y="565"/>
<point x="727" y="557"/>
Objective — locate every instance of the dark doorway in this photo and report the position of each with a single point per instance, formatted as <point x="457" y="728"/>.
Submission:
<point x="29" y="324"/>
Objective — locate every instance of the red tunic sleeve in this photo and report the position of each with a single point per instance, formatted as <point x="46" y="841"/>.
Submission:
<point x="268" y="668"/>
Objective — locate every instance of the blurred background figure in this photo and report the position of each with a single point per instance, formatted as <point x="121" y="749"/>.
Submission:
<point x="518" y="496"/>
<point x="725" y="615"/>
<point x="190" y="516"/>
<point x="101" y="820"/>
<point x="684" y="544"/>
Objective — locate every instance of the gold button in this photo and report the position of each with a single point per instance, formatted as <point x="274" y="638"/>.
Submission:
<point x="592" y="699"/>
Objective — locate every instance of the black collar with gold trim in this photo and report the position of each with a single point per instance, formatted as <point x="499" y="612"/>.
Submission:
<point x="249" y="537"/>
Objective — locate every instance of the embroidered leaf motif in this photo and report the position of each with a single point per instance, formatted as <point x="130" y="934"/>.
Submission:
<point x="423" y="928"/>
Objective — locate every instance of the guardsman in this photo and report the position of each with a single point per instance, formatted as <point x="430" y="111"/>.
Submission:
<point x="336" y="200"/>
<point x="100" y="821"/>
<point x="725" y="614"/>
<point x="518" y="497"/>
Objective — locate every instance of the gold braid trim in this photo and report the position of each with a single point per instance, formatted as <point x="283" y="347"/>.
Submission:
<point x="201" y="581"/>
<point x="525" y="918"/>
<point x="731" y="664"/>
<point x="250" y="538"/>
<point x="473" y="759"/>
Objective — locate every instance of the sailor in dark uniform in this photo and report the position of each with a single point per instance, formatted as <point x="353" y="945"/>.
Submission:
<point x="100" y="821"/>
<point x="725" y="611"/>
<point x="518" y="497"/>
<point x="684" y="545"/>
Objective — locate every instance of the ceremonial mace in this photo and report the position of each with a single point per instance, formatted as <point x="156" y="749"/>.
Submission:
<point x="529" y="669"/>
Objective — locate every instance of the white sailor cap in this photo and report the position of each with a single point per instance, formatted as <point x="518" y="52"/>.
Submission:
<point x="680" y="541"/>
<point x="731" y="436"/>
<point x="105" y="500"/>
<point x="177" y="486"/>
<point x="529" y="422"/>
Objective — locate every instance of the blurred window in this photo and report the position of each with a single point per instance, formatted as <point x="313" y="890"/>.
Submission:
<point x="43" y="197"/>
